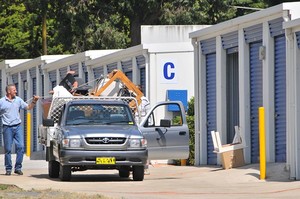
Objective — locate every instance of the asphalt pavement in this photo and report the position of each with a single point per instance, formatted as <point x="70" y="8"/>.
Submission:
<point x="164" y="181"/>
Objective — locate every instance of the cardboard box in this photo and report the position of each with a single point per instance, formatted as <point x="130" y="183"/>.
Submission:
<point x="233" y="158"/>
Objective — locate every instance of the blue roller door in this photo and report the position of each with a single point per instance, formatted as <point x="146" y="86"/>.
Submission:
<point x="25" y="116"/>
<point x="280" y="99"/>
<point x="208" y="48"/>
<point x="32" y="72"/>
<point x="111" y="67"/>
<point x="85" y="72"/>
<point x="52" y="78"/>
<point x="255" y="97"/>
<point x="63" y="72"/>
<point x="127" y="68"/>
<point x="141" y="64"/>
<point x="211" y="105"/>
<point x="98" y="71"/>
<point x="75" y="67"/>
<point x="253" y="36"/>
<point x="298" y="38"/>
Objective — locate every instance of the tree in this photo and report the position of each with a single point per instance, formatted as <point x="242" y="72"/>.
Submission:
<point x="15" y="23"/>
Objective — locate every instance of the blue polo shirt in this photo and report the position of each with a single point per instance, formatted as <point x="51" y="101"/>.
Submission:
<point x="10" y="110"/>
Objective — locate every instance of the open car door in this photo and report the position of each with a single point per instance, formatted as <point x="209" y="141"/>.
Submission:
<point x="166" y="130"/>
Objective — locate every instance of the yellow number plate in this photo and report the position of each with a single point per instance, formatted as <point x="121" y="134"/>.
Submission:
<point x="110" y="160"/>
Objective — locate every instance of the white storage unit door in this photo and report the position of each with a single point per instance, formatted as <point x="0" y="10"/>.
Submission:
<point x="253" y="36"/>
<point x="208" y="48"/>
<point x="278" y="34"/>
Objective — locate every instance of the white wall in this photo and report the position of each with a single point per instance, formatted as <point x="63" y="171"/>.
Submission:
<point x="168" y="34"/>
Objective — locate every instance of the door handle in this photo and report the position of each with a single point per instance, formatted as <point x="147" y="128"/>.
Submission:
<point x="182" y="133"/>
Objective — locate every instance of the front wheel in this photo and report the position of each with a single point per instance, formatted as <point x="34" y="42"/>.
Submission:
<point x="65" y="173"/>
<point x="124" y="172"/>
<point x="138" y="173"/>
<point x="53" y="169"/>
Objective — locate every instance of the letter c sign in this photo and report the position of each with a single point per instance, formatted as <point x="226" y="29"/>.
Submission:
<point x="166" y="71"/>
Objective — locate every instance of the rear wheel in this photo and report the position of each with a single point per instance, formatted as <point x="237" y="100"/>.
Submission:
<point x="65" y="173"/>
<point x="138" y="173"/>
<point x="53" y="169"/>
<point x="124" y="172"/>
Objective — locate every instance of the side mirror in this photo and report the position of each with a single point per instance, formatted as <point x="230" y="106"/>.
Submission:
<point x="165" y="123"/>
<point x="48" y="122"/>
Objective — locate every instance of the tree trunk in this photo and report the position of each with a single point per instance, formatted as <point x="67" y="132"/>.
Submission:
<point x="44" y="33"/>
<point x="135" y="31"/>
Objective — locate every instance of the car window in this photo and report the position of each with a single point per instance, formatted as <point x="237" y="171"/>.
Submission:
<point x="95" y="114"/>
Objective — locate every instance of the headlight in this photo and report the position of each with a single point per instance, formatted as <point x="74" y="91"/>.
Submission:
<point x="72" y="143"/>
<point x="137" y="143"/>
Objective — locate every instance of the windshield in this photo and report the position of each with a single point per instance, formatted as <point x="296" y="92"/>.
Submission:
<point x="98" y="114"/>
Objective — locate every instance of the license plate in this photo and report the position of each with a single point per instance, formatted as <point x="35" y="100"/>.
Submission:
<point x="110" y="160"/>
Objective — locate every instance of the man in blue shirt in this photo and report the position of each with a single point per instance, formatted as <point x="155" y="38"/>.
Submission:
<point x="10" y="106"/>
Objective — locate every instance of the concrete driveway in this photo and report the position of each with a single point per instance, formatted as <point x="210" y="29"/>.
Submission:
<point x="164" y="182"/>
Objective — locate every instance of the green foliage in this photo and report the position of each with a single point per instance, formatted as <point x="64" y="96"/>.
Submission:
<point x="77" y="26"/>
<point x="15" y="22"/>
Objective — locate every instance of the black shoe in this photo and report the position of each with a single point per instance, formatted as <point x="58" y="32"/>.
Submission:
<point x="19" y="172"/>
<point x="8" y="173"/>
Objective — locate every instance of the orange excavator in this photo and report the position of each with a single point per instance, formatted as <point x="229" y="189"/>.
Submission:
<point x="128" y="87"/>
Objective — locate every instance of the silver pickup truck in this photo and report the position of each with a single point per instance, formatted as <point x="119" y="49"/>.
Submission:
<point x="94" y="133"/>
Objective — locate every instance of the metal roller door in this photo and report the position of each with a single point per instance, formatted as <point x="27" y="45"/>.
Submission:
<point x="15" y="80"/>
<point x="253" y="36"/>
<point x="280" y="99"/>
<point x="98" y="71"/>
<point x="208" y="48"/>
<point x="24" y="85"/>
<point x="141" y="64"/>
<point x="111" y="67"/>
<point x="32" y="72"/>
<point x="52" y="78"/>
<point x="63" y="72"/>
<point x="75" y="67"/>
<point x="298" y="38"/>
<point x="230" y="44"/>
<point x="255" y="97"/>
<point x="85" y="72"/>
<point x="211" y="105"/>
<point x="127" y="68"/>
<point x="278" y="33"/>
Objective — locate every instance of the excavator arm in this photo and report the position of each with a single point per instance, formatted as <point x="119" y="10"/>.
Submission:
<point x="119" y="75"/>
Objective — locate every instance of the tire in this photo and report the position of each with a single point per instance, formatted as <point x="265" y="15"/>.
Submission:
<point x="65" y="173"/>
<point x="53" y="169"/>
<point x="138" y="173"/>
<point x="124" y="172"/>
